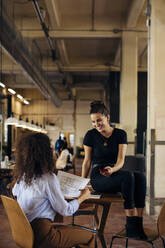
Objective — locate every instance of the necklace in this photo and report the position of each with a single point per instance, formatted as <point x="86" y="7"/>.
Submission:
<point x="105" y="143"/>
<point x="105" y="140"/>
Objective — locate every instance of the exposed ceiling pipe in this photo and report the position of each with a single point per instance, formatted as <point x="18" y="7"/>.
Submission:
<point x="53" y="50"/>
<point x="13" y="43"/>
<point x="45" y="29"/>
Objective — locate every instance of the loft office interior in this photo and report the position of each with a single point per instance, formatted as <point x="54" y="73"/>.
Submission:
<point x="58" y="56"/>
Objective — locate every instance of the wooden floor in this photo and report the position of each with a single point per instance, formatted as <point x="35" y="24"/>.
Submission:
<point x="115" y="223"/>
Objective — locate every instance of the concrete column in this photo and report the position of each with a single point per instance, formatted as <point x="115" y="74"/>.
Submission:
<point x="156" y="100"/>
<point x="128" y="87"/>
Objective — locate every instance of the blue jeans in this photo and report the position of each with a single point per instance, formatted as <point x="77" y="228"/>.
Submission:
<point x="132" y="186"/>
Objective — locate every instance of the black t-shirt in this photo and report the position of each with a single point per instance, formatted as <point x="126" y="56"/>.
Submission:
<point x="105" y="150"/>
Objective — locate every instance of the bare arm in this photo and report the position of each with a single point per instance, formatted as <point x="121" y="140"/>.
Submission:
<point x="120" y="161"/>
<point x="84" y="195"/>
<point x="87" y="161"/>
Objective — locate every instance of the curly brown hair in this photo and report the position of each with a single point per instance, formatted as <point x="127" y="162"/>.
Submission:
<point x="34" y="157"/>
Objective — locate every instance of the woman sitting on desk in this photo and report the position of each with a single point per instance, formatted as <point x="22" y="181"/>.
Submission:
<point x="105" y="147"/>
<point x="38" y="193"/>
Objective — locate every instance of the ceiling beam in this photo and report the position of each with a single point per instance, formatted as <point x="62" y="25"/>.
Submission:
<point x="63" y="52"/>
<point x="54" y="13"/>
<point x="13" y="43"/>
<point x="89" y="68"/>
<point x="134" y="13"/>
<point x="142" y="54"/>
<point x="117" y="56"/>
<point x="88" y="84"/>
<point x="55" y="19"/>
<point x="64" y="35"/>
<point x="71" y="34"/>
<point x="72" y="68"/>
<point x="23" y="85"/>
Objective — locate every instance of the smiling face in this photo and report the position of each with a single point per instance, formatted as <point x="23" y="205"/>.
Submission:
<point x="100" y="121"/>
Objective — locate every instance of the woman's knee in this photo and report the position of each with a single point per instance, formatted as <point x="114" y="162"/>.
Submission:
<point x="129" y="178"/>
<point x="97" y="185"/>
<point x="140" y="177"/>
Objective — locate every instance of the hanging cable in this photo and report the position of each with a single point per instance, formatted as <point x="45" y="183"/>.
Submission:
<point x="45" y="29"/>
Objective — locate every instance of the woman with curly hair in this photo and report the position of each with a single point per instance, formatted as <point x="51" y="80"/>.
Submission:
<point x="38" y="193"/>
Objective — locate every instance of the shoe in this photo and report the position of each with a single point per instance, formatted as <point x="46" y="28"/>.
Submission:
<point x="132" y="228"/>
<point x="142" y="234"/>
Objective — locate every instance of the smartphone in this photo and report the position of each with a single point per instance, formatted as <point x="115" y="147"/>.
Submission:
<point x="102" y="170"/>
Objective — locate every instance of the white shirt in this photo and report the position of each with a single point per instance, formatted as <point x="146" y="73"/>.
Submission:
<point x="43" y="198"/>
<point x="62" y="159"/>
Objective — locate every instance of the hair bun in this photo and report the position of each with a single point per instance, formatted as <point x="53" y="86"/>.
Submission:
<point x="98" y="107"/>
<point x="96" y="103"/>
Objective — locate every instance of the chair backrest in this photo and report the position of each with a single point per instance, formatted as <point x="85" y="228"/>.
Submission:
<point x="22" y="232"/>
<point x="134" y="163"/>
<point x="161" y="220"/>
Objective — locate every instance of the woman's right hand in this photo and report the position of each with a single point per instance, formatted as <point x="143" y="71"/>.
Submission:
<point x="106" y="171"/>
<point x="85" y="194"/>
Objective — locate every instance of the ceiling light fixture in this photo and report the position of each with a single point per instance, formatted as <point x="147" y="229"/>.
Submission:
<point x="12" y="91"/>
<point x="2" y="85"/>
<point x="19" y="96"/>
<point x="26" y="102"/>
<point x="20" y="123"/>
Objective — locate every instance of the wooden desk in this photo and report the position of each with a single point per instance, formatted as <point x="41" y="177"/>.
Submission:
<point x="105" y="201"/>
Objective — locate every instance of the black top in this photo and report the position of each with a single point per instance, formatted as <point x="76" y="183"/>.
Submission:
<point x="105" y="150"/>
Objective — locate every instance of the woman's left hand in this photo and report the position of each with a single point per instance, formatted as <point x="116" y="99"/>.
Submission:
<point x="107" y="171"/>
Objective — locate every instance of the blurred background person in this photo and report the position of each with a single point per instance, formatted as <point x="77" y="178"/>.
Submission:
<point x="58" y="144"/>
<point x="64" y="158"/>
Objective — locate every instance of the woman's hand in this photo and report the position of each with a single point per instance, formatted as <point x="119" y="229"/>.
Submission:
<point x="85" y="194"/>
<point x="106" y="171"/>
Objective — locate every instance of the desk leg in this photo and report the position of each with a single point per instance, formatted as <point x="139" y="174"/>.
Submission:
<point x="96" y="219"/>
<point x="102" y="224"/>
<point x="104" y="216"/>
<point x="102" y="240"/>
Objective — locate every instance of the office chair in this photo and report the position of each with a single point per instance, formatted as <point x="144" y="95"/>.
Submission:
<point x="152" y="235"/>
<point x="22" y="232"/>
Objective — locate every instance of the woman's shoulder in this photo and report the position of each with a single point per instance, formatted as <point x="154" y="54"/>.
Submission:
<point x="121" y="135"/>
<point x="119" y="130"/>
<point x="92" y="131"/>
<point x="89" y="137"/>
<point x="50" y="180"/>
<point x="47" y="177"/>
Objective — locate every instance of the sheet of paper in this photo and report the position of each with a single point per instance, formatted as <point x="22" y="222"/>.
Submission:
<point x="71" y="185"/>
<point x="95" y="196"/>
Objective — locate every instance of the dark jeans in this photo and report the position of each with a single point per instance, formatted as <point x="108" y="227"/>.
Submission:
<point x="132" y="186"/>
